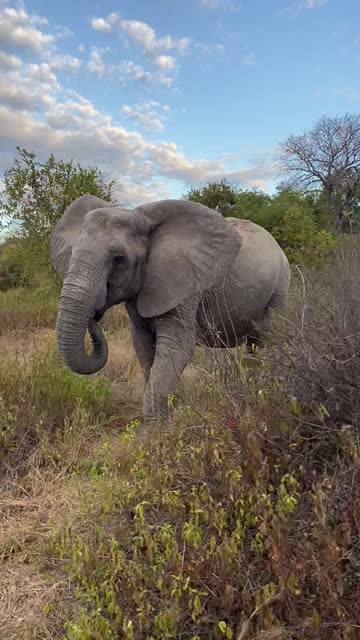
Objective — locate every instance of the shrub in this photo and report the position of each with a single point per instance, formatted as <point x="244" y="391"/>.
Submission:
<point x="12" y="271"/>
<point x="301" y="239"/>
<point x="318" y="356"/>
<point x="213" y="528"/>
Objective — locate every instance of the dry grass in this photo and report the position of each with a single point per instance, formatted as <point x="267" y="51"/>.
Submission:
<point x="318" y="354"/>
<point x="50" y="445"/>
<point x="32" y="604"/>
<point x="26" y="310"/>
<point x="240" y="519"/>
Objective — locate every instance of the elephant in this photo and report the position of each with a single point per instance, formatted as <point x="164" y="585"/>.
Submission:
<point x="187" y="276"/>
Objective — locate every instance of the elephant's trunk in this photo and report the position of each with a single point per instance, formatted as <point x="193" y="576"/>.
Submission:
<point x="76" y="312"/>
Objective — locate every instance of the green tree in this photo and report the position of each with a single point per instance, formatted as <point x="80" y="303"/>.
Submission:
<point x="35" y="195"/>
<point x="221" y="195"/>
<point x="298" y="234"/>
<point x="254" y="205"/>
<point x="298" y="220"/>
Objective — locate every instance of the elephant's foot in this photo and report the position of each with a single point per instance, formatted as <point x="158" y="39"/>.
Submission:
<point x="155" y="408"/>
<point x="254" y="341"/>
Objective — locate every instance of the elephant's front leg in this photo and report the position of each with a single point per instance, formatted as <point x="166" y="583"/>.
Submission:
<point x="143" y="339"/>
<point x="175" y="345"/>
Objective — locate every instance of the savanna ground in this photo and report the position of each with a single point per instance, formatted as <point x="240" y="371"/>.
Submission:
<point x="238" y="519"/>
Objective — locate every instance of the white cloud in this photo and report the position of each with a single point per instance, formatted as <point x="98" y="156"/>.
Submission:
<point x="149" y="115"/>
<point x="160" y="51"/>
<point x="65" y="62"/>
<point x="42" y="72"/>
<point x="220" y="5"/>
<point x="142" y="34"/>
<point x="73" y="128"/>
<point x="102" y="24"/>
<point x="71" y="114"/>
<point x="82" y="106"/>
<point x="19" y="29"/>
<point x="165" y="63"/>
<point x="296" y="8"/>
<point x="126" y="72"/>
<point x="24" y="96"/>
<point x="9" y="61"/>
<point x="313" y="4"/>
<point x="38" y="114"/>
<point x="249" y="58"/>
<point x="96" y="63"/>
<point x="28" y="87"/>
<point x="129" y="70"/>
<point x="135" y="193"/>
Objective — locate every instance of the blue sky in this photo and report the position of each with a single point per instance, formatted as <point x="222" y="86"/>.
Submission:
<point x="164" y="94"/>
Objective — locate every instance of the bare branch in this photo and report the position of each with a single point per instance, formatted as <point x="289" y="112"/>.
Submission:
<point x="327" y="156"/>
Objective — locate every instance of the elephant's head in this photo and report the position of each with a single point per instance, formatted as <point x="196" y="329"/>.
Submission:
<point x="158" y="254"/>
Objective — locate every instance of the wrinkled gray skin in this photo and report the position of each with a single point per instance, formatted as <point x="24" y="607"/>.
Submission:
<point x="187" y="276"/>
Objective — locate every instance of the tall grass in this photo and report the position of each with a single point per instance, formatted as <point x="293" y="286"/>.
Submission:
<point x="28" y="309"/>
<point x="319" y="348"/>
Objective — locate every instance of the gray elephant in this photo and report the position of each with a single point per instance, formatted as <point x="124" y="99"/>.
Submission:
<point x="187" y="276"/>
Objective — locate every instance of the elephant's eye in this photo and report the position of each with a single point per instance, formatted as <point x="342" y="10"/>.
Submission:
<point x="118" y="259"/>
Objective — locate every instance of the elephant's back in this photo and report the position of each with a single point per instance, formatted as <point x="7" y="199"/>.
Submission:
<point x="258" y="247"/>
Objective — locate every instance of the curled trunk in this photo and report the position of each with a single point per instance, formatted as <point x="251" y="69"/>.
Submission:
<point x="75" y="317"/>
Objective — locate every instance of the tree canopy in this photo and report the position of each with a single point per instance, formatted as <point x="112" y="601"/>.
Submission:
<point x="295" y="218"/>
<point x="327" y="158"/>
<point x="35" y="195"/>
<point x="219" y="195"/>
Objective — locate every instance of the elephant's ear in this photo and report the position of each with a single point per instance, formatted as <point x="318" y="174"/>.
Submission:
<point x="68" y="228"/>
<point x="191" y="248"/>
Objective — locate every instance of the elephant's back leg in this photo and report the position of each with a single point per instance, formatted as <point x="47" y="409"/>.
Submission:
<point x="255" y="338"/>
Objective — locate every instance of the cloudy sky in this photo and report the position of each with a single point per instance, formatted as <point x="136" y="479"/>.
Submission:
<point x="164" y="94"/>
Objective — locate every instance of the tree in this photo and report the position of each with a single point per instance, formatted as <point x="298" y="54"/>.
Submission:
<point x="295" y="218"/>
<point x="36" y="194"/>
<point x="221" y="195"/>
<point x="298" y="233"/>
<point x="327" y="158"/>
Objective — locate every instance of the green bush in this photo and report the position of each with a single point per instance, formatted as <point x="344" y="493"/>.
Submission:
<point x="12" y="269"/>
<point x="302" y="240"/>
